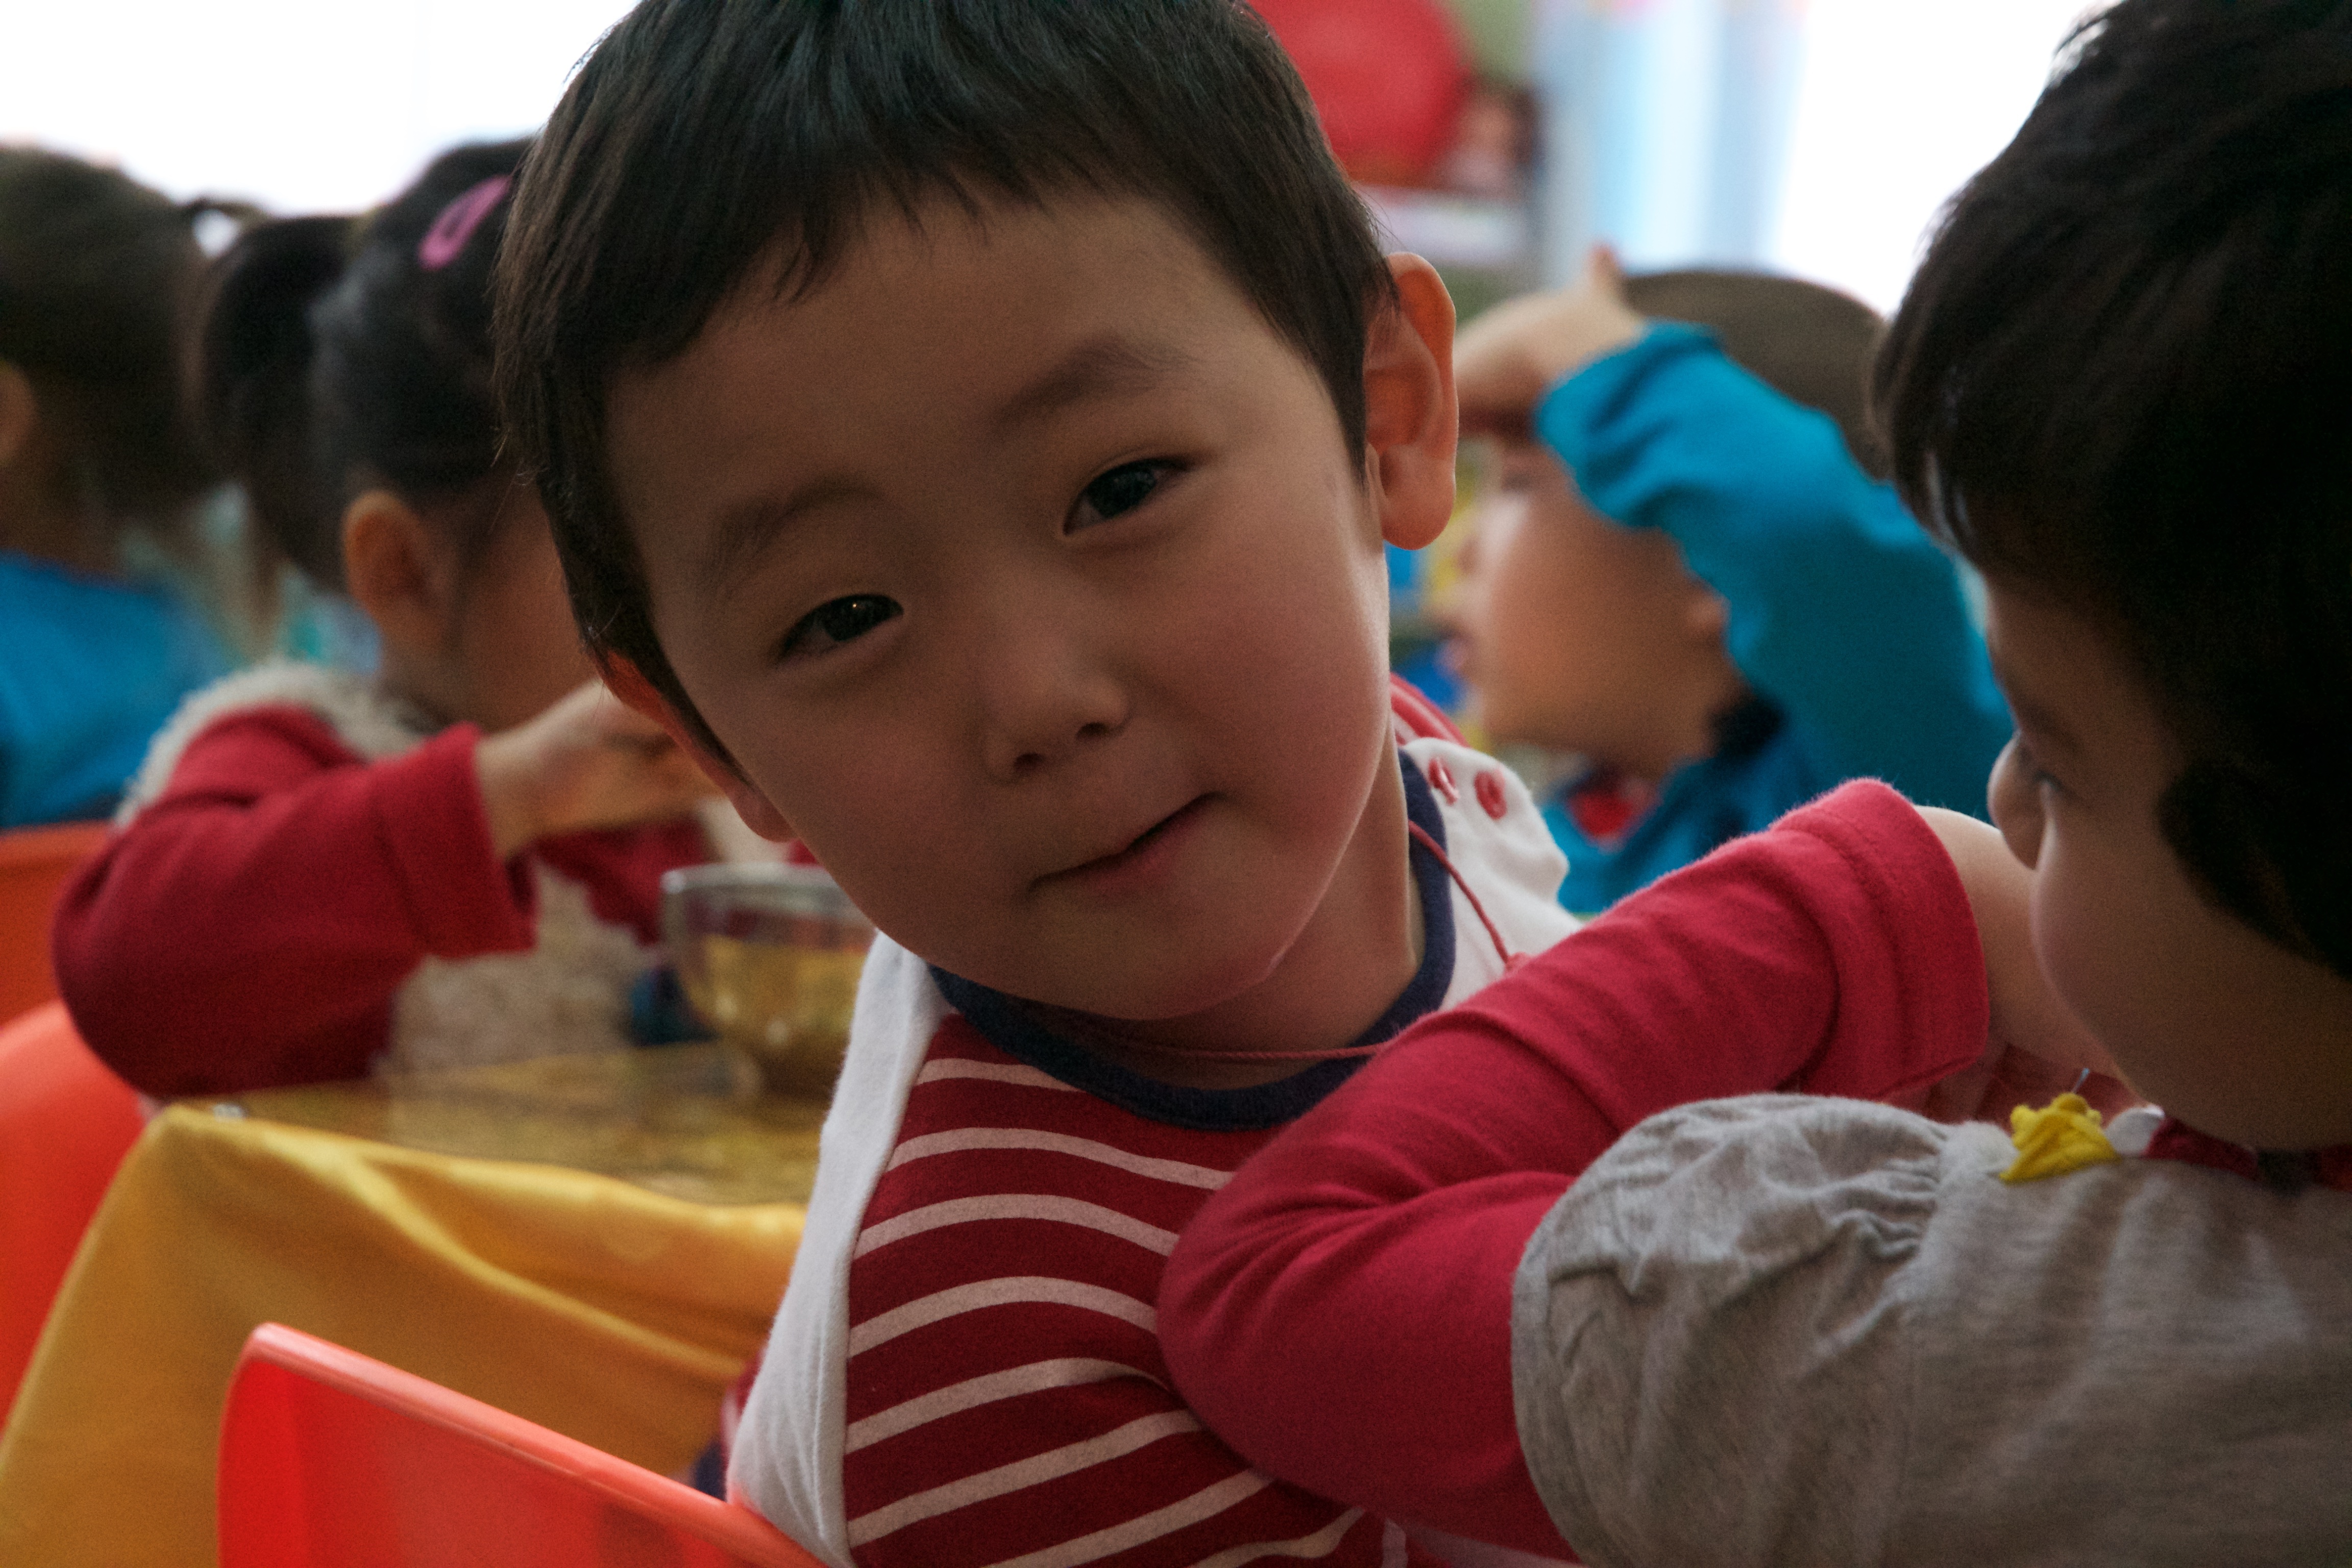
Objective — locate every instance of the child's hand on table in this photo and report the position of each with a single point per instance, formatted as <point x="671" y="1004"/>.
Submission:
<point x="2035" y="1050"/>
<point x="585" y="762"/>
<point x="1507" y="359"/>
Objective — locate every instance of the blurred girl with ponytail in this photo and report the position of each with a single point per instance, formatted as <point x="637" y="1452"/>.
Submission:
<point x="456" y="859"/>
<point x="101" y="474"/>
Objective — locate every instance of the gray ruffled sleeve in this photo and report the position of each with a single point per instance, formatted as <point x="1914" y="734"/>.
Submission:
<point x="1821" y="1332"/>
<point x="1716" y="1313"/>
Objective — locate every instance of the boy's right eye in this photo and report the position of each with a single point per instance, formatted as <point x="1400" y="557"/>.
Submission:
<point x="834" y="622"/>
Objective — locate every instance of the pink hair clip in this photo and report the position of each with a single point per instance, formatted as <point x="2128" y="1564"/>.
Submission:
<point x="459" y="221"/>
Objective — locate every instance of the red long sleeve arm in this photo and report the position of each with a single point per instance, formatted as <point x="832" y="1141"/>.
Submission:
<point x="1340" y="1312"/>
<point x="250" y="927"/>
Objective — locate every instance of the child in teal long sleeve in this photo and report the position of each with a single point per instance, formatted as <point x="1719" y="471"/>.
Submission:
<point x="99" y="462"/>
<point x="1687" y="579"/>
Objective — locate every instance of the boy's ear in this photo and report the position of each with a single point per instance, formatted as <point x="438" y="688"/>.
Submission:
<point x="1410" y="417"/>
<point x="625" y="681"/>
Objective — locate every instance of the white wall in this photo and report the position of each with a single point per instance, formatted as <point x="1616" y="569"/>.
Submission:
<point x="303" y="105"/>
<point x="330" y="105"/>
<point x="1900" y="102"/>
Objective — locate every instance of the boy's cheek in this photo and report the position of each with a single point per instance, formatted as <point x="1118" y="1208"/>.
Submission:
<point x="2016" y="806"/>
<point x="758" y="811"/>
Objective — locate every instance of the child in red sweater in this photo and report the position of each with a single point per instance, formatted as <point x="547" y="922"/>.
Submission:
<point x="457" y="859"/>
<point x="1484" y="1287"/>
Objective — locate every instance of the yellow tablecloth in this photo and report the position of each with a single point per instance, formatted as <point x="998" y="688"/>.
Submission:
<point x="596" y="1307"/>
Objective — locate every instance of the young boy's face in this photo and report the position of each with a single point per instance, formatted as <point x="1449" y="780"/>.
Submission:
<point x="1025" y="573"/>
<point x="1581" y="635"/>
<point x="2226" y="1030"/>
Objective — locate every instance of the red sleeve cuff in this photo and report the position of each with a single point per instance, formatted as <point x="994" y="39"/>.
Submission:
<point x="461" y="899"/>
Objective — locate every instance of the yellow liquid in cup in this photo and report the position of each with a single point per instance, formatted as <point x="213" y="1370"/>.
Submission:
<point x="787" y="1008"/>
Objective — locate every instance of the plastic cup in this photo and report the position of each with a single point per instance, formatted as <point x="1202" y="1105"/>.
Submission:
<point x="770" y="956"/>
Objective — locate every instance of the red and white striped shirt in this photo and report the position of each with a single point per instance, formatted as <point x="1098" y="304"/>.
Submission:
<point x="1006" y="1398"/>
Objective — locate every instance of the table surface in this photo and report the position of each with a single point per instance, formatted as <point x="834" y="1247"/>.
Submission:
<point x="595" y="1243"/>
<point x="690" y="1122"/>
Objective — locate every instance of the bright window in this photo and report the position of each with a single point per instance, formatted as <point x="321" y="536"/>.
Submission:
<point x="301" y="105"/>
<point x="1901" y="101"/>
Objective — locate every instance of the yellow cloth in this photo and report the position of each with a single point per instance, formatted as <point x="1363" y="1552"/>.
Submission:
<point x="2061" y="1136"/>
<point x="613" y="1314"/>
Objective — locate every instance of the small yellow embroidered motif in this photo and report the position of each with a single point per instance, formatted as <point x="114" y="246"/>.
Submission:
<point x="2061" y="1136"/>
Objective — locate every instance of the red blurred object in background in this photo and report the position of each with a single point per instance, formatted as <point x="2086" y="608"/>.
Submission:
<point x="1389" y="77"/>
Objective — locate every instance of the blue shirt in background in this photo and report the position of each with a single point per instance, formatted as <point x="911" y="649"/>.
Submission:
<point x="1847" y="621"/>
<point x="89" y="669"/>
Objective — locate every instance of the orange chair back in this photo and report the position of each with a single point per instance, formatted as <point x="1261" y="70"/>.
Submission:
<point x="34" y="865"/>
<point x="329" y="1459"/>
<point x="65" y="1124"/>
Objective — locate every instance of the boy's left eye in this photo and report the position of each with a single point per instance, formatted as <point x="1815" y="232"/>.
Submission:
<point x="1122" y="489"/>
<point x="835" y="622"/>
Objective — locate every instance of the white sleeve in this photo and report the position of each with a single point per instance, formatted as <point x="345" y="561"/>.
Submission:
<point x="787" y="1457"/>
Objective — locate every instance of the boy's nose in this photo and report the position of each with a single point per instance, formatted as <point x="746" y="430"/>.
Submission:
<point x="1029" y="730"/>
<point x="1044" y="696"/>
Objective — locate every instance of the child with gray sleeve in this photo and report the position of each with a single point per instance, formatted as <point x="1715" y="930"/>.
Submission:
<point x="1794" y="1329"/>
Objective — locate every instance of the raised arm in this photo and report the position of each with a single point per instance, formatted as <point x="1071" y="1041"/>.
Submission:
<point x="1340" y="1313"/>
<point x="250" y="927"/>
<point x="1842" y="611"/>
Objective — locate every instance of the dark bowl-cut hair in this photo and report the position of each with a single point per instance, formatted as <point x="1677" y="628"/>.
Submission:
<point x="2122" y="382"/>
<point x="710" y="145"/>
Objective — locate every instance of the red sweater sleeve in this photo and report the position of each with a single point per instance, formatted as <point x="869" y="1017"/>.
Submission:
<point x="1340" y="1312"/>
<point x="250" y="927"/>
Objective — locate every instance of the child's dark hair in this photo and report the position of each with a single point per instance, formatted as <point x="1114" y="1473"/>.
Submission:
<point x="707" y="141"/>
<point x="97" y="276"/>
<point x="1809" y="343"/>
<point x="341" y="353"/>
<point x="2121" y="381"/>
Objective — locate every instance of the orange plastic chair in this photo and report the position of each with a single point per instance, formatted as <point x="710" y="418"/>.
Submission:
<point x="329" y="1459"/>
<point x="65" y="1124"/>
<point x="34" y="865"/>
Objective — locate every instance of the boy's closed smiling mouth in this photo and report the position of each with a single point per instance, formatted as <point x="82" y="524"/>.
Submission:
<point x="1141" y="859"/>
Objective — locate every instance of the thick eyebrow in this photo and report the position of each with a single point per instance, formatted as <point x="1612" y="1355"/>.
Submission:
<point x="749" y="528"/>
<point x="1107" y="366"/>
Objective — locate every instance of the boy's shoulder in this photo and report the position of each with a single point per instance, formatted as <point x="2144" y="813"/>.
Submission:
<point x="1501" y="857"/>
<point x="1504" y="864"/>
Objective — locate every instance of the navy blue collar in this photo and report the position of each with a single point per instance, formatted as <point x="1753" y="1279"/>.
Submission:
<point x="1020" y="1036"/>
